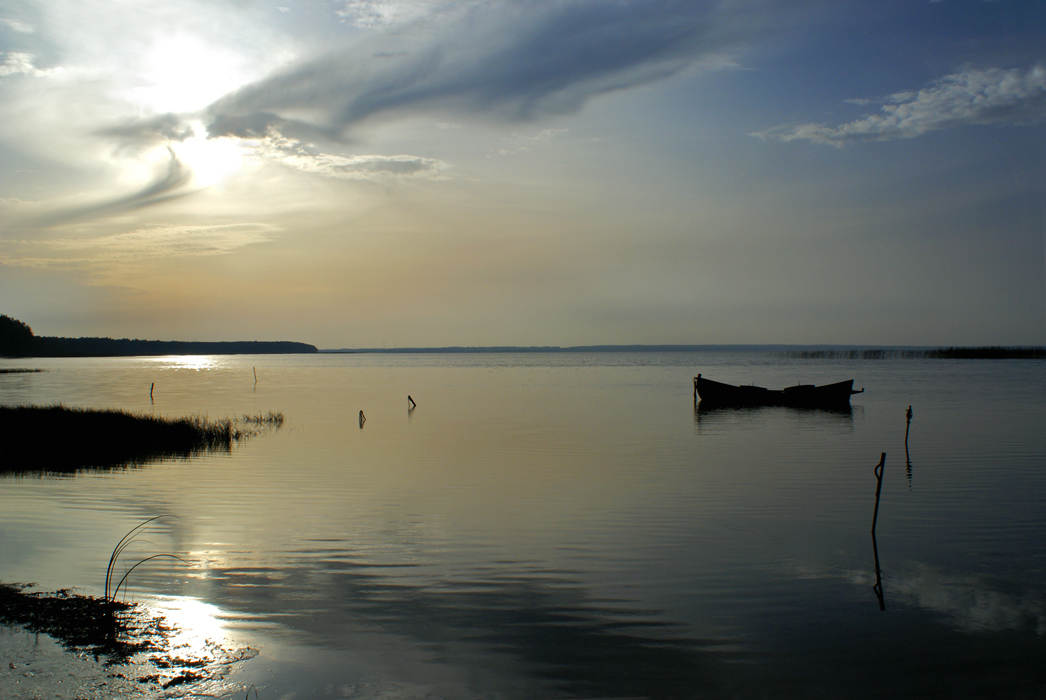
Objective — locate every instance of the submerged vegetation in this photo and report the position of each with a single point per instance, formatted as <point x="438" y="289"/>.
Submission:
<point x="952" y="353"/>
<point x="137" y="643"/>
<point x="61" y="439"/>
<point x="103" y="626"/>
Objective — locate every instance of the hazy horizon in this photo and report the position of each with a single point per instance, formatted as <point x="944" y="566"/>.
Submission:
<point x="436" y="173"/>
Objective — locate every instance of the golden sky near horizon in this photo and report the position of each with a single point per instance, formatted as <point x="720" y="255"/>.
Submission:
<point x="354" y="173"/>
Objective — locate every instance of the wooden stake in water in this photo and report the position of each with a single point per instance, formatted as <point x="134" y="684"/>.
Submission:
<point x="151" y="387"/>
<point x="411" y="402"/>
<point x="363" y="419"/>
<point x="255" y="374"/>
<point x="878" y="587"/>
<point x="907" y="458"/>
<point x="878" y="488"/>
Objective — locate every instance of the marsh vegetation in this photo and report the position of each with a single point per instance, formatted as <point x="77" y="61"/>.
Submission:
<point x="133" y="642"/>
<point x="63" y="439"/>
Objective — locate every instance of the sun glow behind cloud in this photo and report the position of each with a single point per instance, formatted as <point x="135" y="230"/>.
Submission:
<point x="210" y="160"/>
<point x="184" y="73"/>
<point x="467" y="165"/>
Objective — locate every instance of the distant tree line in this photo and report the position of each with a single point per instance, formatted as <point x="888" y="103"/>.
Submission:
<point x="961" y="353"/>
<point x="17" y="340"/>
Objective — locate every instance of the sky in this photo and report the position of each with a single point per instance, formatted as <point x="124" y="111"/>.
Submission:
<point x="368" y="173"/>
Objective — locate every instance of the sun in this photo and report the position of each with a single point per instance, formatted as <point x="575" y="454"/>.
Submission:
<point x="211" y="160"/>
<point x="184" y="73"/>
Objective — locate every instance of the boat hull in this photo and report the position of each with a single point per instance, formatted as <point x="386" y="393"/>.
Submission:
<point x="801" y="396"/>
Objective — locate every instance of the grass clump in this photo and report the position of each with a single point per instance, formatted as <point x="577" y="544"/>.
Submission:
<point x="62" y="439"/>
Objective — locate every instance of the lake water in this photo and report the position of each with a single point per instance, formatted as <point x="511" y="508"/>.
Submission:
<point x="570" y="525"/>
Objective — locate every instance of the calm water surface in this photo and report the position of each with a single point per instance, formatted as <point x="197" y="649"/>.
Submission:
<point x="570" y="525"/>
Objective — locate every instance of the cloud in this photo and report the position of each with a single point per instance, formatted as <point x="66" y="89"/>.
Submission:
<point x="372" y="14"/>
<point x="170" y="182"/>
<point x="513" y="61"/>
<point x="989" y="96"/>
<point x="17" y="62"/>
<point x="518" y="143"/>
<point x="147" y="133"/>
<point x="150" y="243"/>
<point x="292" y="153"/>
<point x="16" y="26"/>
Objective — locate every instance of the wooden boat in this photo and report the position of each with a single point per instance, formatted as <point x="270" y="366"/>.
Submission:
<point x="799" y="396"/>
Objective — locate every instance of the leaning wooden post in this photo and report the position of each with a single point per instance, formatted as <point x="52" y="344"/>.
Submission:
<point x="363" y="418"/>
<point x="907" y="457"/>
<point x="151" y="387"/>
<point x="878" y="488"/>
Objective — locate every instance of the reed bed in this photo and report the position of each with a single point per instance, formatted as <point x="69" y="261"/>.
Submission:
<point x="62" y="439"/>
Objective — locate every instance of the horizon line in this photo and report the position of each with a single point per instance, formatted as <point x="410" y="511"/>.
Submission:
<point x="464" y="349"/>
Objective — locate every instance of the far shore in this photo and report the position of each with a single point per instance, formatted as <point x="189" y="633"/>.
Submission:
<point x="795" y="351"/>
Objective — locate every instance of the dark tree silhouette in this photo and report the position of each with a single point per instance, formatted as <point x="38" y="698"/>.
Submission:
<point x="16" y="338"/>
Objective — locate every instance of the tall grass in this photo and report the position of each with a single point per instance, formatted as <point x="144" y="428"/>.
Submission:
<point x="61" y="439"/>
<point x="112" y="591"/>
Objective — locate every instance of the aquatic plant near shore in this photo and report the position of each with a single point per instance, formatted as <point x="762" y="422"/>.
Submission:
<point x="61" y="439"/>
<point x="132" y="536"/>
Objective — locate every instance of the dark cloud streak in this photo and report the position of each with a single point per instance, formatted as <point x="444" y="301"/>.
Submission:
<point x="170" y="184"/>
<point x="510" y="61"/>
<point x="147" y="133"/>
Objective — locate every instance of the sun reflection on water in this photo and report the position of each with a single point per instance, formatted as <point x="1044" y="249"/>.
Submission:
<point x="191" y="651"/>
<point x="195" y="626"/>
<point x="196" y="362"/>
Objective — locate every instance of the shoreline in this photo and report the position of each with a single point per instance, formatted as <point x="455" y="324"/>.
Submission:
<point x="65" y="645"/>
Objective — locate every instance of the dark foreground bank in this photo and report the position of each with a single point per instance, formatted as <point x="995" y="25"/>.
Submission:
<point x="62" y="439"/>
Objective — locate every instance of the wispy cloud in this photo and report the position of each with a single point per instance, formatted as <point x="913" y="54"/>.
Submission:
<point x="988" y="96"/>
<point x="292" y="153"/>
<point x="18" y="62"/>
<point x="171" y="181"/>
<point x="16" y="25"/>
<point x="149" y="243"/>
<point x="372" y="14"/>
<point x="518" y="143"/>
<point x="508" y="60"/>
